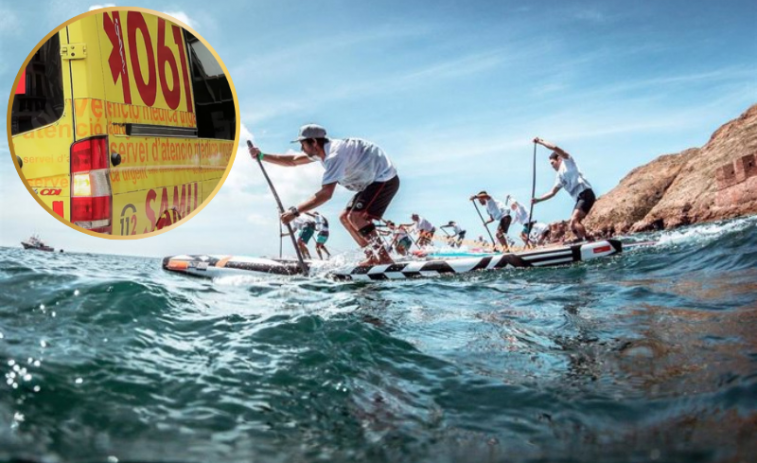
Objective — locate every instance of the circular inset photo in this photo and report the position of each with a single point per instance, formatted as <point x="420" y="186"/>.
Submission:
<point x="123" y="123"/>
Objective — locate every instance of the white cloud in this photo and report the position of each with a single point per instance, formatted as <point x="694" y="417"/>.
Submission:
<point x="181" y="16"/>
<point x="271" y="110"/>
<point x="452" y="69"/>
<point x="246" y="184"/>
<point x="98" y="7"/>
<point x="286" y="59"/>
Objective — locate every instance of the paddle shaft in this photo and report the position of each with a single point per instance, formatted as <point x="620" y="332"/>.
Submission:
<point x="281" y="240"/>
<point x="281" y="211"/>
<point x="533" y="195"/>
<point x="494" y="243"/>
<point x="381" y="237"/>
<point x="415" y="242"/>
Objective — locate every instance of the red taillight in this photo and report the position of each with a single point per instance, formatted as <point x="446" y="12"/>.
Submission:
<point x="91" y="195"/>
<point x="89" y="209"/>
<point x="89" y="155"/>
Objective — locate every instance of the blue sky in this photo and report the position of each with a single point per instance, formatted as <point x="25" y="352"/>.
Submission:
<point x="452" y="91"/>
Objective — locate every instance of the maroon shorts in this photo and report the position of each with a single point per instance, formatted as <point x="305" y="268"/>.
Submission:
<point x="376" y="197"/>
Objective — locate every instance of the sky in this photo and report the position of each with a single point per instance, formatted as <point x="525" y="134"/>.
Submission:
<point x="453" y="92"/>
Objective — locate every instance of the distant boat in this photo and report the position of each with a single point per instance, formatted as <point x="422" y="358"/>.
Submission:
<point x="35" y="243"/>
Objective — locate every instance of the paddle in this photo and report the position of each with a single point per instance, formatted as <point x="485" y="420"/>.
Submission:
<point x="415" y="242"/>
<point x="533" y="195"/>
<point x="303" y="266"/>
<point x="383" y="240"/>
<point x="494" y="244"/>
<point x="281" y="240"/>
<point x="450" y="237"/>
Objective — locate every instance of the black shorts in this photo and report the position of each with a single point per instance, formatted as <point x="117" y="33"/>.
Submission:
<point x="585" y="201"/>
<point x="461" y="235"/>
<point x="504" y="224"/>
<point x="376" y="197"/>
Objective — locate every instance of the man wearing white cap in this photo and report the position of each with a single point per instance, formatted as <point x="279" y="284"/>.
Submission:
<point x="357" y="165"/>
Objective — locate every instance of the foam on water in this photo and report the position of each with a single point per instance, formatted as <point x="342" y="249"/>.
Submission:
<point x="704" y="233"/>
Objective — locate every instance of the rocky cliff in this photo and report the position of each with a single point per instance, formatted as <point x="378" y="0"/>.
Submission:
<point x="717" y="181"/>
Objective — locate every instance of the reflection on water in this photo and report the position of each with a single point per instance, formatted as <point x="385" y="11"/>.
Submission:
<point x="681" y="351"/>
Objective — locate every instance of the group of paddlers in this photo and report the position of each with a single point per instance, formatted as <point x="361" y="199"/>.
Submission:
<point x="307" y="226"/>
<point x="364" y="168"/>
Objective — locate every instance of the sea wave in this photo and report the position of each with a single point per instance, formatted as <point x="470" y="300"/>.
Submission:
<point x="647" y="355"/>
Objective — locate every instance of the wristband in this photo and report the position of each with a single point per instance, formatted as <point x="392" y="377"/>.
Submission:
<point x="294" y="211"/>
<point x="260" y="156"/>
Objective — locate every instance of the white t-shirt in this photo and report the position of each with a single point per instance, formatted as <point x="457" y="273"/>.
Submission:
<point x="537" y="231"/>
<point x="355" y="164"/>
<point x="301" y="223"/>
<point x="321" y="224"/>
<point x="496" y="209"/>
<point x="457" y="229"/>
<point x="423" y="224"/>
<point x="570" y="178"/>
<point x="521" y="214"/>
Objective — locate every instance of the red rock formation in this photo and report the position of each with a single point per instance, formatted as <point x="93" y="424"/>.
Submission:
<point x="717" y="181"/>
<point x="637" y="194"/>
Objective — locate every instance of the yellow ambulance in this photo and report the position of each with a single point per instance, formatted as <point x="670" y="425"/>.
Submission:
<point x="123" y="122"/>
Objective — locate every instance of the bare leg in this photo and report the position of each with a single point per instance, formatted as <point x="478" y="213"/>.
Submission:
<point x="321" y="247"/>
<point x="504" y="225"/>
<point x="526" y="241"/>
<point x="371" y="243"/>
<point x="353" y="222"/>
<point x="502" y="240"/>
<point x="304" y="249"/>
<point x="575" y="224"/>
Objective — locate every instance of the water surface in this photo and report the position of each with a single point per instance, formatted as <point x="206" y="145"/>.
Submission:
<point x="647" y="356"/>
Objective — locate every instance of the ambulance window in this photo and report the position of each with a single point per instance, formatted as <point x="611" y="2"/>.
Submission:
<point x="38" y="100"/>
<point x="214" y="102"/>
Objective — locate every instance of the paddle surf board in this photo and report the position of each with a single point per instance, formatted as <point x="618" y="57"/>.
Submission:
<point x="215" y="266"/>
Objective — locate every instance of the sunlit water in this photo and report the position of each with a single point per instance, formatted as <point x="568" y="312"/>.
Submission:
<point x="646" y="356"/>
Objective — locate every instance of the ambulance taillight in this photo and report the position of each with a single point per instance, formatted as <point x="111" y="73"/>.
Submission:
<point x="91" y="195"/>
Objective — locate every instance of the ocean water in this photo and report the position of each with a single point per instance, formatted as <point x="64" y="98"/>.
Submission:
<point x="646" y="356"/>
